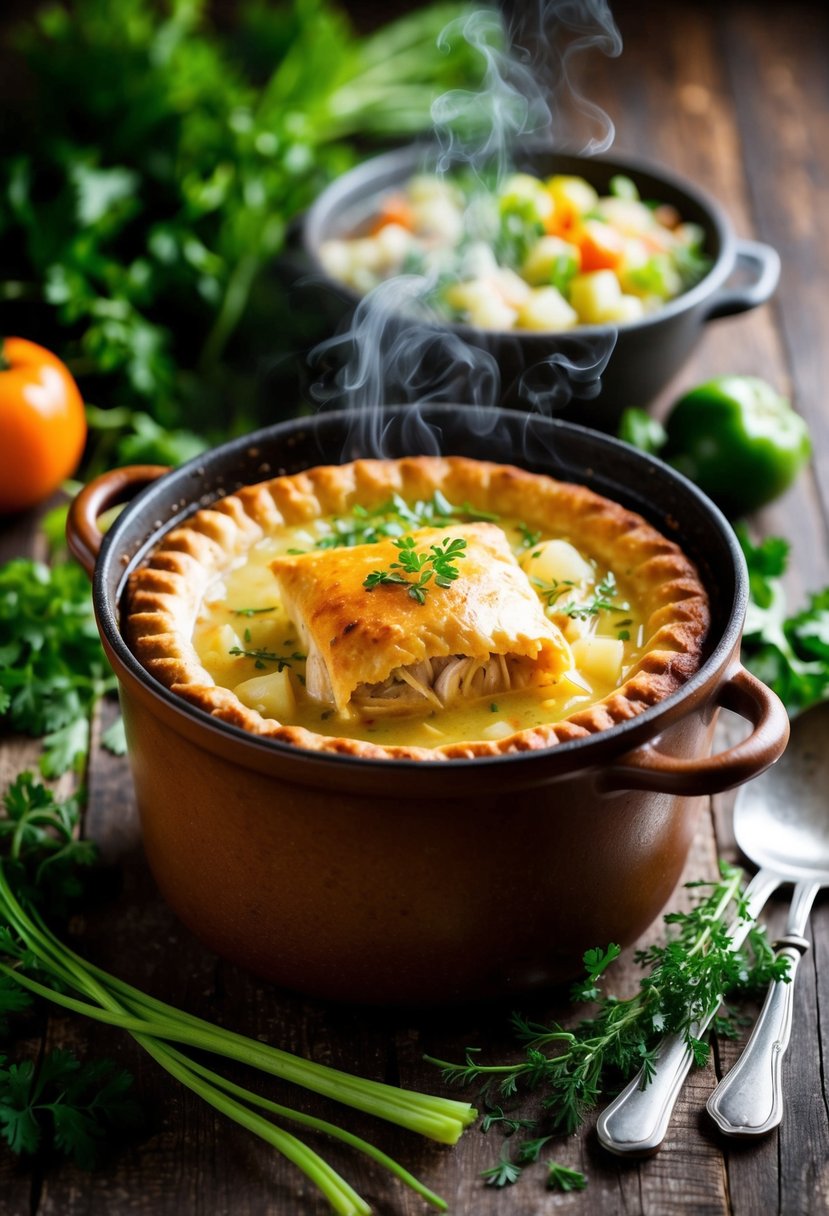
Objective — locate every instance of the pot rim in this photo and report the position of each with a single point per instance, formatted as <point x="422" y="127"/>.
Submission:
<point x="362" y="181"/>
<point x="113" y="565"/>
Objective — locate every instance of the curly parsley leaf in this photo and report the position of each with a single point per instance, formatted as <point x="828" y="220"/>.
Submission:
<point x="66" y="1103"/>
<point x="788" y="652"/>
<point x="562" y="1178"/>
<point x="42" y="855"/>
<point x="52" y="667"/>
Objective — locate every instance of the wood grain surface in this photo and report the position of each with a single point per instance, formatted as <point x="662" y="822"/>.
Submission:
<point x="735" y="97"/>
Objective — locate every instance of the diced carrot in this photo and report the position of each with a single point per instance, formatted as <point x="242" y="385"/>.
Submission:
<point x="602" y="247"/>
<point x="396" y="209"/>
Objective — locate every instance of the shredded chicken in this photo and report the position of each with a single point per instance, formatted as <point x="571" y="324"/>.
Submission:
<point x="439" y="683"/>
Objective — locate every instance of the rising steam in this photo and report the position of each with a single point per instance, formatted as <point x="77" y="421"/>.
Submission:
<point x="397" y="349"/>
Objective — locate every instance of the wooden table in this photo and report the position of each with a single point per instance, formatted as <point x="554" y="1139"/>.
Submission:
<point x="733" y="96"/>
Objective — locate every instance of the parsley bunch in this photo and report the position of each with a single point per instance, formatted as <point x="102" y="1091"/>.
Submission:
<point x="153" y="167"/>
<point x="788" y="652"/>
<point x="52" y="668"/>
<point x="573" y="1068"/>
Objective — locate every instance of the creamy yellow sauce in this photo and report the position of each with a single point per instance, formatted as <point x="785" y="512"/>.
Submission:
<point x="242" y="632"/>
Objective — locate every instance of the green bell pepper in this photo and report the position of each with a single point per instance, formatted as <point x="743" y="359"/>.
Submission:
<point x="738" y="440"/>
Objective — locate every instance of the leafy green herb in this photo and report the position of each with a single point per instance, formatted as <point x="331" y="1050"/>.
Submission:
<point x="152" y="173"/>
<point x="72" y="1106"/>
<point x="253" y="611"/>
<point x="562" y="1178"/>
<point x="687" y="976"/>
<point x="395" y="517"/>
<point x="44" y="857"/>
<point x="263" y="657"/>
<point x="788" y="652"/>
<point x="530" y="1150"/>
<point x="528" y="536"/>
<point x="52" y="668"/>
<point x="437" y="563"/>
<point x="505" y="1173"/>
<point x="579" y="610"/>
<point x="496" y="1116"/>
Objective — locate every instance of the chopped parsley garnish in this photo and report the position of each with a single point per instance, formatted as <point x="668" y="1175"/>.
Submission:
<point x="262" y="657"/>
<point x="395" y="517"/>
<point x="528" y="536"/>
<point x="253" y="611"/>
<point x="438" y="563"/>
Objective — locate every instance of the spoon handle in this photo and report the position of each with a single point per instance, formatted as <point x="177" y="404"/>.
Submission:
<point x="635" y="1123"/>
<point x="749" y="1099"/>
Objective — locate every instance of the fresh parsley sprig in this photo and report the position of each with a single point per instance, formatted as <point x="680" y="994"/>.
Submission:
<point x="72" y="1105"/>
<point x="395" y="517"/>
<point x="437" y="562"/>
<point x="53" y="670"/>
<point x="790" y="652"/>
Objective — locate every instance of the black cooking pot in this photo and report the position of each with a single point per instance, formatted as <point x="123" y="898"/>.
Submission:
<point x="587" y="375"/>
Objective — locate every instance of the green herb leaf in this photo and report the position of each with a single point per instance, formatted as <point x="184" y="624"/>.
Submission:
<point x="562" y="1178"/>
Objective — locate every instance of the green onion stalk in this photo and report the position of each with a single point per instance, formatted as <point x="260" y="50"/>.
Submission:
<point x="161" y="1029"/>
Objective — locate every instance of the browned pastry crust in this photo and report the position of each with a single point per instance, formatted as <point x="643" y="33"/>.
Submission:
<point x="164" y="594"/>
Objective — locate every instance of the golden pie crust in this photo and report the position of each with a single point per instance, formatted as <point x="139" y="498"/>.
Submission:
<point x="164" y="594"/>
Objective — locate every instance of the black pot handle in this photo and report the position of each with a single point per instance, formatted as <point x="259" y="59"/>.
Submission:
<point x="762" y="263"/>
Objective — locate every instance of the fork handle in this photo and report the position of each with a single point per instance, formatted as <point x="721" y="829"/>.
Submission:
<point x="749" y="1099"/>
<point x="635" y="1123"/>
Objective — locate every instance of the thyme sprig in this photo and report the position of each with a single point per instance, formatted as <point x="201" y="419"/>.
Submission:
<point x="600" y="601"/>
<point x="262" y="656"/>
<point x="573" y="1068"/>
<point x="437" y="562"/>
<point x="395" y="518"/>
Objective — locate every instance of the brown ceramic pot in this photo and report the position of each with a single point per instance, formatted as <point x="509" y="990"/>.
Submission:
<point x="421" y="882"/>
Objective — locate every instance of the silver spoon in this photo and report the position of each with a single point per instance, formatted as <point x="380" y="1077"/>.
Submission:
<point x="636" y="1122"/>
<point x="781" y="822"/>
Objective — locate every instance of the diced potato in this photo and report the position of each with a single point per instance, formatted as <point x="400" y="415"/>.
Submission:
<point x="550" y="256"/>
<point x="217" y="645"/>
<point x="479" y="261"/>
<point x="498" y="730"/>
<point x="482" y="305"/>
<point x="627" y="308"/>
<point x="547" y="309"/>
<point x="572" y="196"/>
<point x="599" y="658"/>
<point x="440" y="217"/>
<point x="336" y="258"/>
<point x="426" y="186"/>
<point x="627" y="215"/>
<point x="510" y="287"/>
<point x="557" y="561"/>
<point x="595" y="295"/>
<point x="271" y="695"/>
<point x="394" y="243"/>
<point x="523" y="188"/>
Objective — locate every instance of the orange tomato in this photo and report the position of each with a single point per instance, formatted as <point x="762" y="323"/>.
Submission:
<point x="602" y="247"/>
<point x="42" y="424"/>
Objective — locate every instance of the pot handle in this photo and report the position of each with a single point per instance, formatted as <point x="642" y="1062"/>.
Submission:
<point x="646" y="768"/>
<point x="762" y="264"/>
<point x="83" y="536"/>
